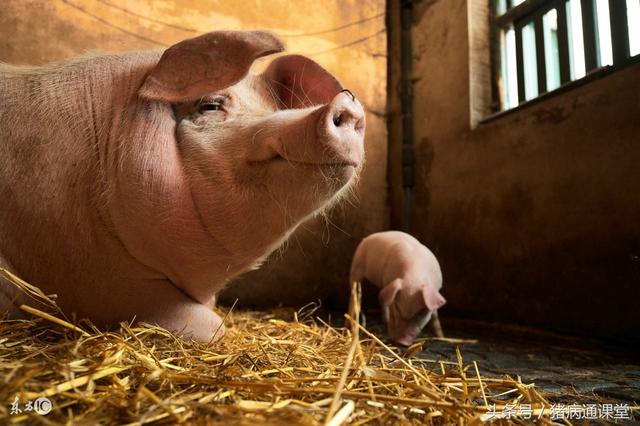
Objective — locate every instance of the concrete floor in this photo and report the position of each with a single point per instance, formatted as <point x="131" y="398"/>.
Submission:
<point x="569" y="370"/>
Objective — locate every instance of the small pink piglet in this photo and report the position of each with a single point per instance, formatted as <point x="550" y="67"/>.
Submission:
<point x="409" y="277"/>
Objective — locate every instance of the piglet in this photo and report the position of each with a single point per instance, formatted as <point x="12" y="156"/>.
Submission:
<point x="409" y="278"/>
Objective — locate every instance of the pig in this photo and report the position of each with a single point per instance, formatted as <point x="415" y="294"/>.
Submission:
<point x="409" y="278"/>
<point x="135" y="185"/>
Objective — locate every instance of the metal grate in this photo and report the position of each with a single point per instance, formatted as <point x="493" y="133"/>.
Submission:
<point x="541" y="45"/>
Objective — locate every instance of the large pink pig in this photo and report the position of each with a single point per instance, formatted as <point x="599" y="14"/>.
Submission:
<point x="409" y="277"/>
<point x="138" y="184"/>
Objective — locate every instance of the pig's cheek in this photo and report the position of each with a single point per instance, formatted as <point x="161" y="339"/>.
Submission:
<point x="201" y="128"/>
<point x="196" y="143"/>
<point x="209" y="119"/>
<point x="188" y="134"/>
<point x="203" y="163"/>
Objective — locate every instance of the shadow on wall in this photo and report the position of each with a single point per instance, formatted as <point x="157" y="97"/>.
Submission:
<point x="533" y="214"/>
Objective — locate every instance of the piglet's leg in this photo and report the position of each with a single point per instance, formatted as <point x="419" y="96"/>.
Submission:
<point x="160" y="302"/>
<point x="436" y="327"/>
<point x="434" y="300"/>
<point x="357" y="272"/>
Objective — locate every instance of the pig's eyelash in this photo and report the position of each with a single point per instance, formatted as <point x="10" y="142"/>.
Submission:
<point x="213" y="104"/>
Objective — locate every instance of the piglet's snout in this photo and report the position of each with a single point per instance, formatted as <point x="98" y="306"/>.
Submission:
<point x="341" y="129"/>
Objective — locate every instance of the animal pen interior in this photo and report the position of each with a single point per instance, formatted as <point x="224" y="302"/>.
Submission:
<point x="501" y="134"/>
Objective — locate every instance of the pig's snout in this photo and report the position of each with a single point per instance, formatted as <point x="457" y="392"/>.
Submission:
<point x="331" y="135"/>
<point x="343" y="127"/>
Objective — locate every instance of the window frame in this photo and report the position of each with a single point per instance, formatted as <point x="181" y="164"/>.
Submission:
<point x="532" y="11"/>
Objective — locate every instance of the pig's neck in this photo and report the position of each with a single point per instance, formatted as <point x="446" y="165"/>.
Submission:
<point x="148" y="208"/>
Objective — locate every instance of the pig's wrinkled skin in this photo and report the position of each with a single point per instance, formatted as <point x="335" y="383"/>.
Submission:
<point x="409" y="278"/>
<point x="138" y="184"/>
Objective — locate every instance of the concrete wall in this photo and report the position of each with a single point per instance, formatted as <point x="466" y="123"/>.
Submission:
<point x="534" y="215"/>
<point x="318" y="256"/>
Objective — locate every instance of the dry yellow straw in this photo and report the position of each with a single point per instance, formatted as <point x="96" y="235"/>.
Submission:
<point x="30" y="290"/>
<point x="342" y="415"/>
<point x="72" y="384"/>
<point x="484" y="395"/>
<point x="49" y="317"/>
<point x="354" y="314"/>
<point x="396" y="356"/>
<point x="266" y="369"/>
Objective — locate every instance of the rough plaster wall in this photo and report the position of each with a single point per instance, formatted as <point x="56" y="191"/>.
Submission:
<point x="316" y="260"/>
<point x="533" y="215"/>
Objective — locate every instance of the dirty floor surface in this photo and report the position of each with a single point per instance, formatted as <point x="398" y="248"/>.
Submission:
<point x="569" y="370"/>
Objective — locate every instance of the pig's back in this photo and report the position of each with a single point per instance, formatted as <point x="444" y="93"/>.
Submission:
<point x="35" y="180"/>
<point x="410" y="259"/>
<point x="55" y="133"/>
<point x="50" y="177"/>
<point x="52" y="118"/>
<point x="385" y="256"/>
<point x="36" y="135"/>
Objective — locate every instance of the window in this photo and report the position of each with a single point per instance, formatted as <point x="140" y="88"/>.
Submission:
<point x="544" y="44"/>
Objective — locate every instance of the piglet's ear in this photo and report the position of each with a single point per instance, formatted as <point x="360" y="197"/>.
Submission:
<point x="299" y="82"/>
<point x="207" y="63"/>
<point x="432" y="298"/>
<point x="388" y="294"/>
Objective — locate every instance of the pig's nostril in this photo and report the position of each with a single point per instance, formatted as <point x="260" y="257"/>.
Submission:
<point x="337" y="119"/>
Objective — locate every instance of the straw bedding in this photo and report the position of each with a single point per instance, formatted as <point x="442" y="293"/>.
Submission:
<point x="280" y="367"/>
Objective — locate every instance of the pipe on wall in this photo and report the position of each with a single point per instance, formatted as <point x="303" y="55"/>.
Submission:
<point x="406" y="100"/>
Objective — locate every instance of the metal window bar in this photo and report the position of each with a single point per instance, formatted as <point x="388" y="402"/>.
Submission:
<point x="619" y="30"/>
<point x="520" y="11"/>
<point x="520" y="65"/>
<point x="563" y="41"/>
<point x="540" y="56"/>
<point x="589" y="28"/>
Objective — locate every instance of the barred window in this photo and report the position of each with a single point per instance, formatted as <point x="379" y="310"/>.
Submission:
<point x="541" y="45"/>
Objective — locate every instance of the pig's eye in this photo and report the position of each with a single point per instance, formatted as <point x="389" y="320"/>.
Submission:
<point x="212" y="106"/>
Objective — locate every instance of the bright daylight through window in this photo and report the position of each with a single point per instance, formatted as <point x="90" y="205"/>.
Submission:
<point x="543" y="44"/>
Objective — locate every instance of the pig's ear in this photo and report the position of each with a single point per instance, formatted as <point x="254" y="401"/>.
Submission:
<point x="432" y="298"/>
<point x="388" y="294"/>
<point x="206" y="63"/>
<point x="299" y="82"/>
